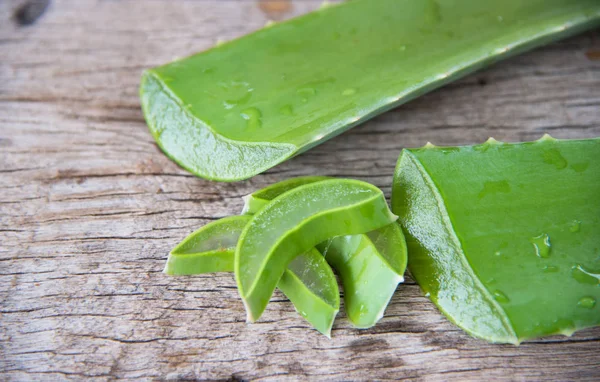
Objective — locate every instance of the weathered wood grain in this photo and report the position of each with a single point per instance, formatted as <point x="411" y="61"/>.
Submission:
<point x="89" y="207"/>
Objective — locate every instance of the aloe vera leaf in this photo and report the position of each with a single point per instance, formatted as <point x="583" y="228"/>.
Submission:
<point x="370" y="265"/>
<point x="308" y="281"/>
<point x="257" y="200"/>
<point x="295" y="222"/>
<point x="505" y="237"/>
<point x="240" y="108"/>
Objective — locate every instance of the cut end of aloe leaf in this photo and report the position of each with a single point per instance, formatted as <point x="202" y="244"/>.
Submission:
<point x="193" y="144"/>
<point x="247" y="200"/>
<point x="166" y="269"/>
<point x="496" y="234"/>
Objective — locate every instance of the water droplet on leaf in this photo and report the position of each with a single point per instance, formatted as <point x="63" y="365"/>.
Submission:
<point x="494" y="187"/>
<point x="306" y="93"/>
<point x="550" y="269"/>
<point x="585" y="276"/>
<point x="287" y="110"/>
<point x="253" y="118"/>
<point x="587" y="302"/>
<point x="580" y="167"/>
<point x="554" y="157"/>
<point x="231" y="103"/>
<point x="575" y="226"/>
<point x="542" y="245"/>
<point x="501" y="297"/>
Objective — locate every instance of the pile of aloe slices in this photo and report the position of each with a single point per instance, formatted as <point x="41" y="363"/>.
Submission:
<point x="288" y="237"/>
<point x="504" y="238"/>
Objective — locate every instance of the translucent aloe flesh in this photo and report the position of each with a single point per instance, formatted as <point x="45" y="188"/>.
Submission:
<point x="505" y="237"/>
<point x="242" y="107"/>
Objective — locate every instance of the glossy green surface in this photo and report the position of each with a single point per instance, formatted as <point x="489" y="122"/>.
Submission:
<point x="505" y="237"/>
<point x="311" y="286"/>
<point x="370" y="266"/>
<point x="242" y="107"/>
<point x="208" y="249"/>
<point x="257" y="200"/>
<point x="295" y="222"/>
<point x="308" y="281"/>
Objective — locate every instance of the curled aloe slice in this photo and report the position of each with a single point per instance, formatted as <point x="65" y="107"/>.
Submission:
<point x="308" y="281"/>
<point x="242" y="107"/>
<point x="370" y="265"/>
<point x="311" y="286"/>
<point x="505" y="237"/>
<point x="296" y="221"/>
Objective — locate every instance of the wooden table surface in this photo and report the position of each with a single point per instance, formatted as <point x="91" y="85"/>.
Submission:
<point x="90" y="207"/>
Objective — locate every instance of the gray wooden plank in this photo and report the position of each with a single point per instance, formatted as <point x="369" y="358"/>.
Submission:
<point x="90" y="207"/>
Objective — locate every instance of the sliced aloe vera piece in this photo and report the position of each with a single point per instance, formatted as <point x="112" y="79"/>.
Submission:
<point x="295" y="222"/>
<point x="311" y="286"/>
<point x="240" y="108"/>
<point x="308" y="281"/>
<point x="370" y="265"/>
<point x="208" y="249"/>
<point x="505" y="237"/>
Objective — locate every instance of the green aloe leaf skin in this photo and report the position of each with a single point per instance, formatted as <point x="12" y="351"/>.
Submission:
<point x="370" y="265"/>
<point x="295" y="222"/>
<point x="308" y="281"/>
<point x="240" y="108"/>
<point x="505" y="238"/>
